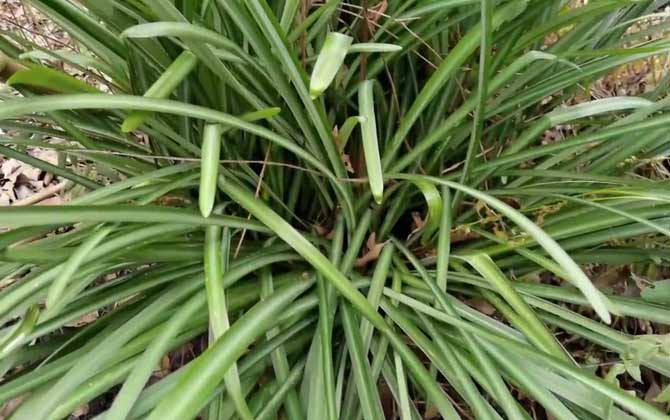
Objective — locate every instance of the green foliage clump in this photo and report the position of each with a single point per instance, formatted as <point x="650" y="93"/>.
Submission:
<point x="344" y="208"/>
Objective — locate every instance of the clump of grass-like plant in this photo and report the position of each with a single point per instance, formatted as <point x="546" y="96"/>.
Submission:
<point x="318" y="196"/>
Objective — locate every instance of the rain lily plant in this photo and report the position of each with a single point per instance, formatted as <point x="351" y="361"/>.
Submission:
<point x="338" y="210"/>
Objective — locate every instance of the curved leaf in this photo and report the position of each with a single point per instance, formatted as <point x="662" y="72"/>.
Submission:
<point x="50" y="80"/>
<point x="595" y="297"/>
<point x="209" y="167"/>
<point x="187" y="398"/>
<point x="328" y="63"/>
<point x="373" y="163"/>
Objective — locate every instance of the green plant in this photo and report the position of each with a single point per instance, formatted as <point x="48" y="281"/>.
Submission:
<point x="248" y="170"/>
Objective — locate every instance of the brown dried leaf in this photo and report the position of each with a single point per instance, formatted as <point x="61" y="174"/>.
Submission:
<point x="418" y="222"/>
<point x="8" y="408"/>
<point x="374" y="15"/>
<point x="346" y="159"/>
<point x="164" y="368"/>
<point x="173" y="201"/>
<point x="81" y="411"/>
<point x="84" y="320"/>
<point x="373" y="251"/>
<point x="324" y="231"/>
<point x="321" y="230"/>
<point x="610" y="278"/>
<point x="462" y="234"/>
<point x="431" y="412"/>
<point x="166" y="365"/>
<point x="482" y="305"/>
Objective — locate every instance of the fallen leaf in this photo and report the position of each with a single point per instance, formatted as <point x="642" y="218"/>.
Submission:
<point x="81" y="411"/>
<point x="10" y="406"/>
<point x="640" y="281"/>
<point x="321" y="230"/>
<point x="374" y="14"/>
<point x="173" y="201"/>
<point x="336" y="137"/>
<point x="84" y="320"/>
<point x="482" y="305"/>
<point x="346" y="159"/>
<point x="610" y="278"/>
<point x="324" y="232"/>
<point x="418" y="222"/>
<point x="166" y="365"/>
<point x="462" y="234"/>
<point x="373" y="251"/>
<point x="164" y="368"/>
